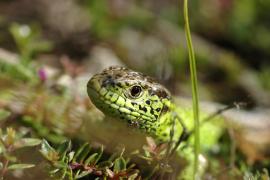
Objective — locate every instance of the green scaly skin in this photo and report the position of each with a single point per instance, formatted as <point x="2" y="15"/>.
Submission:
<point x="136" y="99"/>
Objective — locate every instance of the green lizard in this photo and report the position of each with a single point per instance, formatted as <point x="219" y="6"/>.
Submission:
<point x="138" y="100"/>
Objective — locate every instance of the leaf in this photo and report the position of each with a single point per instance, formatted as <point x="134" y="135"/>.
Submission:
<point x="119" y="164"/>
<point x="84" y="173"/>
<point x="20" y="166"/>
<point x="24" y="142"/>
<point x="60" y="164"/>
<point x="105" y="164"/>
<point x="71" y="156"/>
<point x="45" y="147"/>
<point x="94" y="158"/>
<point x="133" y="176"/>
<point x="84" y="154"/>
<point x="99" y="154"/>
<point x="48" y="152"/>
<point x="91" y="159"/>
<point x="79" y="151"/>
<point x="64" y="147"/>
<point x="117" y="154"/>
<point x="54" y="171"/>
<point x="114" y="156"/>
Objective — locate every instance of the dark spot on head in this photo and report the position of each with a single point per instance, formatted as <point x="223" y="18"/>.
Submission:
<point x="143" y="108"/>
<point x="158" y="109"/>
<point x="133" y="103"/>
<point x="152" y="111"/>
<point x="156" y="116"/>
<point x="119" y="85"/>
<point x="127" y="84"/>
<point x="162" y="93"/>
<point x="147" y="102"/>
<point x="107" y="82"/>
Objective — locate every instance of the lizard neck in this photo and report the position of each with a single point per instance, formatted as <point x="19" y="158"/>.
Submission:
<point x="165" y="124"/>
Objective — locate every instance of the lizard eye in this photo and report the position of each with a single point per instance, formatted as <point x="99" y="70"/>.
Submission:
<point x="135" y="91"/>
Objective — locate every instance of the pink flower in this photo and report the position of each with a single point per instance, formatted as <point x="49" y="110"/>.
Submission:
<point x="42" y="74"/>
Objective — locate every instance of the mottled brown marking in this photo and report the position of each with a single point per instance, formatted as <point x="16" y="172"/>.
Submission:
<point x="165" y="109"/>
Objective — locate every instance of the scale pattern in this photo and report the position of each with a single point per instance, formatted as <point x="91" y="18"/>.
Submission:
<point x="134" y="98"/>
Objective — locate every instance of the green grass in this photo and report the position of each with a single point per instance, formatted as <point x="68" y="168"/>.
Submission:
<point x="195" y="101"/>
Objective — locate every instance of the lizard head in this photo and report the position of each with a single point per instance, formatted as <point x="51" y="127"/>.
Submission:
<point x="132" y="96"/>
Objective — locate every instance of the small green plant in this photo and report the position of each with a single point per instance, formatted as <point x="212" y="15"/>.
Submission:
<point x="262" y="175"/>
<point x="28" y="41"/>
<point x="10" y="142"/>
<point x="74" y="164"/>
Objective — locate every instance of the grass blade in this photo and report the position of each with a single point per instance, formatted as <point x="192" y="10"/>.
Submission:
<point x="195" y="101"/>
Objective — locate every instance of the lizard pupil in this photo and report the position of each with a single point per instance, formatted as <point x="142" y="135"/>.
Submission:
<point x="135" y="91"/>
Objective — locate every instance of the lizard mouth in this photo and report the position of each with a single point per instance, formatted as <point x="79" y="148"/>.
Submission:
<point x="133" y="119"/>
<point x="113" y="108"/>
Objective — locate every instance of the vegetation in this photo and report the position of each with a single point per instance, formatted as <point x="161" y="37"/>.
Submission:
<point x="50" y="129"/>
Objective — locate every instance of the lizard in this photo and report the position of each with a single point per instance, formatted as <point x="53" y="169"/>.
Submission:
<point x="140" y="101"/>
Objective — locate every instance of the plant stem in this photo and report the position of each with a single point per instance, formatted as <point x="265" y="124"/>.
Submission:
<point x="195" y="101"/>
